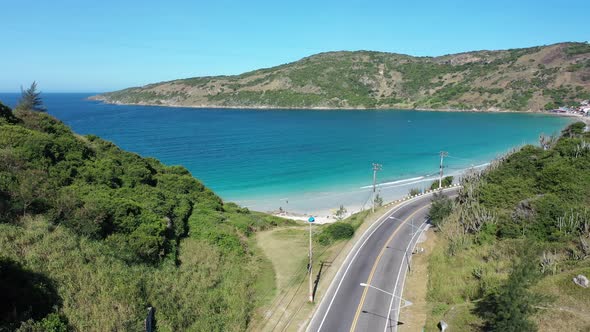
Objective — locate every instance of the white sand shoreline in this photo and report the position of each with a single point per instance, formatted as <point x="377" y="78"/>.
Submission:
<point x="322" y="206"/>
<point x="321" y="219"/>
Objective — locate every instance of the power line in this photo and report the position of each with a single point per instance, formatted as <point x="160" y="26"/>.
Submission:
<point x="466" y="159"/>
<point x="292" y="315"/>
<point x="366" y="201"/>
<point x="376" y="168"/>
<point x="293" y="298"/>
<point x="294" y="280"/>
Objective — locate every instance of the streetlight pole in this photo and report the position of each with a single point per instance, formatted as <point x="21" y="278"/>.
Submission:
<point x="311" y="220"/>
<point x="406" y="302"/>
<point x="393" y="296"/>
<point x="417" y="231"/>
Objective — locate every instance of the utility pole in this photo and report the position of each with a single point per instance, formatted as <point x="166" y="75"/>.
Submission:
<point x="443" y="154"/>
<point x="311" y="220"/>
<point x="376" y="167"/>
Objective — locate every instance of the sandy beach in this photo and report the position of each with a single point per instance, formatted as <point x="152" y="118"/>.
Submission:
<point x="322" y="206"/>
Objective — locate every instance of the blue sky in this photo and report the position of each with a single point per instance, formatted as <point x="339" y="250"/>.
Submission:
<point x="106" y="45"/>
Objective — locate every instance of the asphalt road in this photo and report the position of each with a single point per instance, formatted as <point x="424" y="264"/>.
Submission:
<point x="379" y="259"/>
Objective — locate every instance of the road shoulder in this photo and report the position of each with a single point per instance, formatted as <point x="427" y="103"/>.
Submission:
<point x="416" y="285"/>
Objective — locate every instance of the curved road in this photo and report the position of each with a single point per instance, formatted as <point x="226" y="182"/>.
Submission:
<point x="378" y="259"/>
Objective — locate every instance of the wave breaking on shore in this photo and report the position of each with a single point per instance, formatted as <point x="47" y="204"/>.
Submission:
<point x="322" y="205"/>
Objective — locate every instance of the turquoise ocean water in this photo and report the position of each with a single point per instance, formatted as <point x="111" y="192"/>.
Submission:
<point x="303" y="160"/>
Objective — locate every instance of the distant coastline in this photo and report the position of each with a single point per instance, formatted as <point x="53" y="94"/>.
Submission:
<point x="262" y="108"/>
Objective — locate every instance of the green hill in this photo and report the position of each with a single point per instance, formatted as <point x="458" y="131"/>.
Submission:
<point x="518" y="79"/>
<point x="516" y="237"/>
<point x="91" y="236"/>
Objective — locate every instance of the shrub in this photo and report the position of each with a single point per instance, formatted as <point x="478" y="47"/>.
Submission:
<point x="414" y="191"/>
<point x="441" y="207"/>
<point x="340" y="230"/>
<point x="446" y="181"/>
<point x="577" y="48"/>
<point x="52" y="323"/>
<point x="6" y="115"/>
<point x="340" y="213"/>
<point x="335" y="231"/>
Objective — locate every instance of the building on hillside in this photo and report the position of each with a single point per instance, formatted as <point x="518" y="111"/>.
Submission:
<point x="560" y="110"/>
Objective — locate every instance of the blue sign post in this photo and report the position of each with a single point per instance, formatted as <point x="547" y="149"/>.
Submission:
<point x="311" y="220"/>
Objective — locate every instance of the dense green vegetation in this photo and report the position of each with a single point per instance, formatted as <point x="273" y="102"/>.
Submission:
<point x="579" y="48"/>
<point x="342" y="229"/>
<point x="92" y="187"/>
<point x="334" y="232"/>
<point x="441" y="207"/>
<point x="565" y="95"/>
<point x="277" y="98"/>
<point x="446" y="181"/>
<point x="523" y="221"/>
<point x="91" y="235"/>
<point x="516" y="79"/>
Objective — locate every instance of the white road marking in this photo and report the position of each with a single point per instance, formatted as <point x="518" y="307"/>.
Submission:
<point x="403" y="281"/>
<point x="358" y="250"/>
<point x="376" y="225"/>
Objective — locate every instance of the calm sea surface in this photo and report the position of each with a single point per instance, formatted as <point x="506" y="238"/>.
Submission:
<point x="302" y="160"/>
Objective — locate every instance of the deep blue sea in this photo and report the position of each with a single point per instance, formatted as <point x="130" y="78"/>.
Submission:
<point x="302" y="160"/>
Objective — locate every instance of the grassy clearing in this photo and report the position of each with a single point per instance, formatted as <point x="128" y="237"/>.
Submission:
<point x="265" y="283"/>
<point x="452" y="287"/>
<point x="287" y="249"/>
<point x="457" y="282"/>
<point x="287" y="296"/>
<point x="571" y="309"/>
<point x="303" y="308"/>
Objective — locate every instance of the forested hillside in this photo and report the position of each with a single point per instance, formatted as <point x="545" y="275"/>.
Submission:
<point x="525" y="79"/>
<point x="91" y="236"/>
<point x="514" y="240"/>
